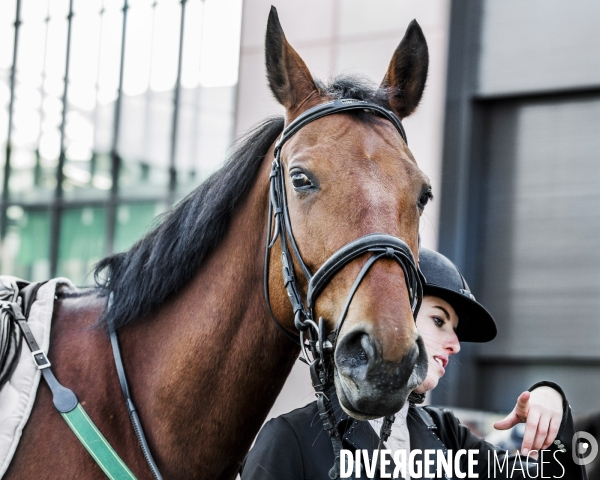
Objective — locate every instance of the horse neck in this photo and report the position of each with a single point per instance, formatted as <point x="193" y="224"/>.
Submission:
<point x="218" y="362"/>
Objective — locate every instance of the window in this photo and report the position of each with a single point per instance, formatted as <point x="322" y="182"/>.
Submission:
<point x="146" y="113"/>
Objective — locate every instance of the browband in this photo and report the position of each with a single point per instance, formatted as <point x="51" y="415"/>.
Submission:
<point x="337" y="106"/>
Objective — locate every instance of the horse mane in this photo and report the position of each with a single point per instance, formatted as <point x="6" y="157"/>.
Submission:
<point x="166" y="258"/>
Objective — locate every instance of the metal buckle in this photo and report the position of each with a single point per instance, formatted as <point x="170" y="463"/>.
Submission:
<point x="40" y="359"/>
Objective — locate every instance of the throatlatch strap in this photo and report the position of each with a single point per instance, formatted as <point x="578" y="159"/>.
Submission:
<point x="71" y="410"/>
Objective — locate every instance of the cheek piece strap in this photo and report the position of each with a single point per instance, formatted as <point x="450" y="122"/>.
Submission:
<point x="317" y="349"/>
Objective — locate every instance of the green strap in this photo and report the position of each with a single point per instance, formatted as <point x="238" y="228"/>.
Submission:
<point x="95" y="443"/>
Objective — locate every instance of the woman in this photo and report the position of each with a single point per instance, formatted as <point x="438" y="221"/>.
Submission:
<point x="294" y="446"/>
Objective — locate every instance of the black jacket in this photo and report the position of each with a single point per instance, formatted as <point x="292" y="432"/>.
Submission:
<point x="294" y="446"/>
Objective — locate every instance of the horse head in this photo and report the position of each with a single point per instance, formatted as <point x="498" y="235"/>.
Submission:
<point x="345" y="176"/>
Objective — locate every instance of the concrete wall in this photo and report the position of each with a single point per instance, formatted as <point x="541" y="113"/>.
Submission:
<point x="349" y="36"/>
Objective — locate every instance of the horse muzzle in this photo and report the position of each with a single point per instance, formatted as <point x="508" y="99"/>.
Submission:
<point x="368" y="386"/>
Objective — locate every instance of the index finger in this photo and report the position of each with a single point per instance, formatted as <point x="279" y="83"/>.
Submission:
<point x="522" y="407"/>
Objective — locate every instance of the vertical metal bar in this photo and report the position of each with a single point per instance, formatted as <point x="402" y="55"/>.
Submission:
<point x="149" y="97"/>
<point x="96" y="95"/>
<point x="111" y="214"/>
<point x="176" y="99"/>
<point x="11" y="106"/>
<point x="195" y="145"/>
<point x="38" y="167"/>
<point x="56" y="207"/>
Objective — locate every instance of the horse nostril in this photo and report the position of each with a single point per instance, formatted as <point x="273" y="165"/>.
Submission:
<point x="354" y="350"/>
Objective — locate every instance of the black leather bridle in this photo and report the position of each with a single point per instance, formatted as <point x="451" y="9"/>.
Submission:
<point x="379" y="245"/>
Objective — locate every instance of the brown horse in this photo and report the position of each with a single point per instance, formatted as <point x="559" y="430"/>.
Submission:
<point x="204" y="361"/>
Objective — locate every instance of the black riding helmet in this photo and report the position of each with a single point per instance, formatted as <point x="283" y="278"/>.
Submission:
<point x="444" y="280"/>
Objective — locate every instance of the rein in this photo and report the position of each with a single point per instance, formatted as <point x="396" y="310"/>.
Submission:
<point x="319" y="349"/>
<point x="131" y="410"/>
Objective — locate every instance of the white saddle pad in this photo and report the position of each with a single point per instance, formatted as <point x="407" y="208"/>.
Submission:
<point x="18" y="394"/>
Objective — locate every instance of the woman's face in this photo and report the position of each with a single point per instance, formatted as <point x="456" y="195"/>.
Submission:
<point x="436" y="322"/>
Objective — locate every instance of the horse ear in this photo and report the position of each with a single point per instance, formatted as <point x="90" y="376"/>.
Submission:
<point x="289" y="77"/>
<point x="406" y="75"/>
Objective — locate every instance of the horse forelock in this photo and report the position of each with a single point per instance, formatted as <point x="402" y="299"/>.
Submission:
<point x="162" y="262"/>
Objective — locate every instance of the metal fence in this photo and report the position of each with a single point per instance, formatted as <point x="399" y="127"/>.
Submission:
<point x="112" y="111"/>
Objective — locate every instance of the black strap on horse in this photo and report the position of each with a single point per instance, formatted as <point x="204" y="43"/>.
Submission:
<point x="63" y="398"/>
<point x="131" y="410"/>
<point x="16" y="299"/>
<point x="379" y="245"/>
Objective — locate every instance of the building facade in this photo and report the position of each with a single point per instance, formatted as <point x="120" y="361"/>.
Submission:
<point x="520" y="193"/>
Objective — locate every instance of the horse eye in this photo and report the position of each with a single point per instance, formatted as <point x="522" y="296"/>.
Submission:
<point x="424" y="199"/>
<point x="300" y="180"/>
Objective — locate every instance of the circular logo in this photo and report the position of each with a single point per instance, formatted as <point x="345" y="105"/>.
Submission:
<point x="585" y="448"/>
